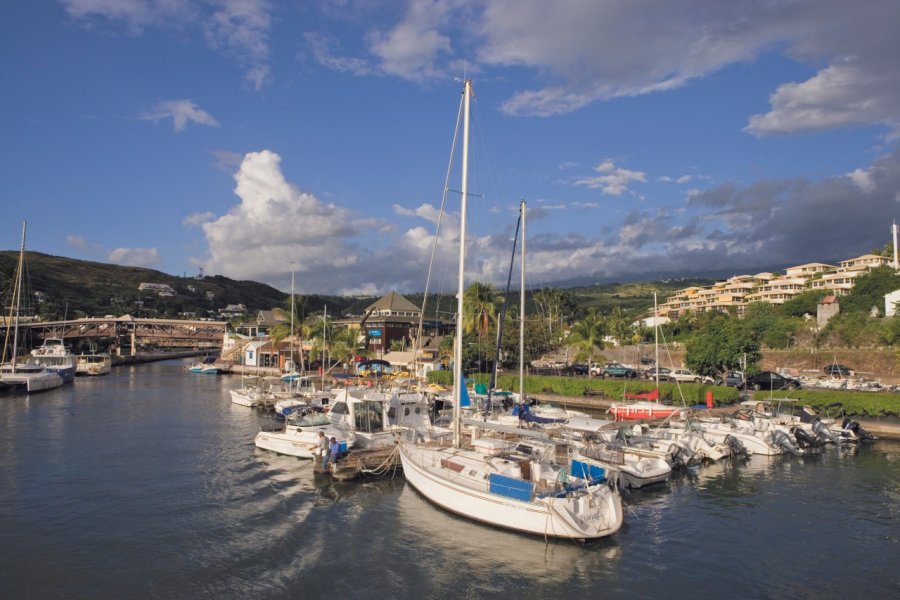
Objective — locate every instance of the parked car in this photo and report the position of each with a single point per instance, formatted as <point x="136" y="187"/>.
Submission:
<point x="732" y="379"/>
<point x="651" y="373"/>
<point x="836" y="370"/>
<point x="688" y="376"/>
<point x="769" y="380"/>
<point x="579" y="369"/>
<point x="613" y="370"/>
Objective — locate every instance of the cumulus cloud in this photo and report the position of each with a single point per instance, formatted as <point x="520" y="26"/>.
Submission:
<point x="135" y="257"/>
<point x="275" y="225"/>
<point x="180" y="111"/>
<point x="612" y="180"/>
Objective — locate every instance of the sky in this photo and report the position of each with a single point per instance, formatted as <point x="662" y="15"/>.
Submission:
<point x="264" y="139"/>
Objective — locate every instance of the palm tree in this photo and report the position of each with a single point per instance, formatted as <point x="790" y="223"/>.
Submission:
<point x="480" y="308"/>
<point x="619" y="324"/>
<point x="587" y="335"/>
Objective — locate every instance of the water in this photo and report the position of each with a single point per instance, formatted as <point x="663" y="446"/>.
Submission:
<point x="146" y="484"/>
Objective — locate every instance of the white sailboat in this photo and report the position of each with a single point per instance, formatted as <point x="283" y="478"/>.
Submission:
<point x="24" y="377"/>
<point x="514" y="485"/>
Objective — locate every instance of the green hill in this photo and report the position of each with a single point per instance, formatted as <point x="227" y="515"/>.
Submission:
<point x="57" y="287"/>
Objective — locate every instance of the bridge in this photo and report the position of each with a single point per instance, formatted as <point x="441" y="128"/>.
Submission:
<point x="128" y="331"/>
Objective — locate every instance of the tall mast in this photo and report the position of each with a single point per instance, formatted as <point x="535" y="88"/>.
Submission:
<point x="522" y="313"/>
<point x="18" y="295"/>
<point x="293" y="366"/>
<point x="464" y="190"/>
<point x="656" y="339"/>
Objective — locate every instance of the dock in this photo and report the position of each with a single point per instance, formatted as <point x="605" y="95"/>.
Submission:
<point x="364" y="463"/>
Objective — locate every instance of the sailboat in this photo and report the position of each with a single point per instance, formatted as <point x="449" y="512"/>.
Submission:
<point x="646" y="405"/>
<point x="521" y="484"/>
<point x="29" y="376"/>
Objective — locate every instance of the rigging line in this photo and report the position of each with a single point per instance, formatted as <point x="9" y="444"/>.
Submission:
<point x="502" y="316"/>
<point x="459" y="116"/>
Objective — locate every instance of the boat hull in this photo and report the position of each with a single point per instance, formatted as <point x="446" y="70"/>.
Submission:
<point x="642" y="410"/>
<point x="589" y="516"/>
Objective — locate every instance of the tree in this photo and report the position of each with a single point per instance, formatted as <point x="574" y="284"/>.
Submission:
<point x="805" y="303"/>
<point x="869" y="290"/>
<point x="587" y="335"/>
<point x="724" y="343"/>
<point x="619" y="324"/>
<point x="480" y="308"/>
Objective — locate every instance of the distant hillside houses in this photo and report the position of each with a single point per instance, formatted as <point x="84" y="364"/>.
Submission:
<point x="737" y="292"/>
<point x="161" y="289"/>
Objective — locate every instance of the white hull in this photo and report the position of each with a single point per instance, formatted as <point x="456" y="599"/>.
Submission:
<point x="93" y="364"/>
<point x="302" y="443"/>
<point x="583" y="516"/>
<point x="243" y="397"/>
<point x="32" y="382"/>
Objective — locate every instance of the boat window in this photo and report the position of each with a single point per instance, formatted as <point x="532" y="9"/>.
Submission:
<point x="339" y="408"/>
<point x="369" y="416"/>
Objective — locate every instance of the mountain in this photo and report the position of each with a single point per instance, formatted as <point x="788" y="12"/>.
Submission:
<point x="61" y="287"/>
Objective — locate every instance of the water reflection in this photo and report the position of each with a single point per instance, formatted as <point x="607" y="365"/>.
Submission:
<point x="484" y="551"/>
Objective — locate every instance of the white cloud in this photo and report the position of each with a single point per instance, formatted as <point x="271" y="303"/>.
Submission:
<point x="135" y="257"/>
<point x="276" y="224"/>
<point x="412" y="48"/>
<point x="324" y="51"/>
<point x="239" y="29"/>
<point x="863" y="179"/>
<point x="180" y="111"/>
<point x="612" y="180"/>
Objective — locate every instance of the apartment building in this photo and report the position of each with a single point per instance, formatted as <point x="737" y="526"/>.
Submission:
<point x="735" y="293"/>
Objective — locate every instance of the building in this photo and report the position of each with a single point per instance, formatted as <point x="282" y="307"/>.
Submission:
<point x="734" y="294"/>
<point x="160" y="289"/>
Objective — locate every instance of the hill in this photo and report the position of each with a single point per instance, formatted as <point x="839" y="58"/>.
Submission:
<point x="65" y="287"/>
<point x="58" y="287"/>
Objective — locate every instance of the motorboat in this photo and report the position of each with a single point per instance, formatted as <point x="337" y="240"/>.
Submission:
<point x="55" y="356"/>
<point x="300" y="436"/>
<point x="93" y="364"/>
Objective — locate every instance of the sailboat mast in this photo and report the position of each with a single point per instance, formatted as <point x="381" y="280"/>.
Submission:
<point x="18" y="294"/>
<point x="656" y="338"/>
<point x="464" y="190"/>
<point x="522" y="312"/>
<point x="293" y="366"/>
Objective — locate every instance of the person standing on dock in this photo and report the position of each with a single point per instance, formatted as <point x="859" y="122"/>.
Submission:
<point x="334" y="450"/>
<point x="322" y="449"/>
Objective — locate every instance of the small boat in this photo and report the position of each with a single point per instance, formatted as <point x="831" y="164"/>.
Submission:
<point x="93" y="364"/>
<point x="300" y="436"/>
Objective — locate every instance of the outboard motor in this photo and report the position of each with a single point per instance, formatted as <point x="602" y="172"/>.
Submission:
<point x="823" y="431"/>
<point x="737" y="448"/>
<point x="680" y="457"/>
<point x="805" y="439"/>
<point x="861" y="434"/>
<point x="783" y="441"/>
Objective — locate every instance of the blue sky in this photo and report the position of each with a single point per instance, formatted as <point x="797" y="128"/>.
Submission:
<point x="253" y="137"/>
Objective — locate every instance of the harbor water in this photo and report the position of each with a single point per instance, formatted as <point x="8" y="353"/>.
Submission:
<point x="146" y="484"/>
